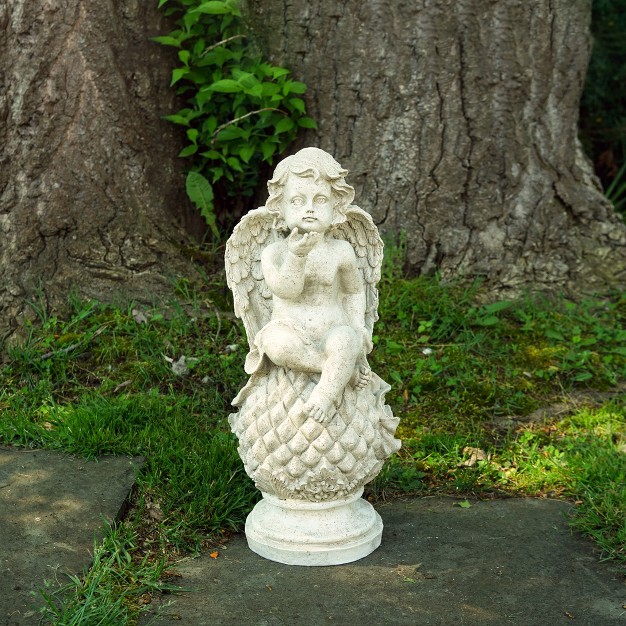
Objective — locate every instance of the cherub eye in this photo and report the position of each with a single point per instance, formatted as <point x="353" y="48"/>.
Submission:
<point x="321" y="200"/>
<point x="297" y="201"/>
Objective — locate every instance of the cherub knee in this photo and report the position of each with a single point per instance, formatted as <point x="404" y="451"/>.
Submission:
<point x="343" y="340"/>
<point x="278" y="349"/>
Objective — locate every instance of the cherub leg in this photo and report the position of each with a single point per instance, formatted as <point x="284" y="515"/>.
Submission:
<point x="341" y="351"/>
<point x="286" y="348"/>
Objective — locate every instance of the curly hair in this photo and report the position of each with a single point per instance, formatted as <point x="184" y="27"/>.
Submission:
<point x="310" y="163"/>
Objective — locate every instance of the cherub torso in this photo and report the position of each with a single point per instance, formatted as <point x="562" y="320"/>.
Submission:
<point x="318" y="308"/>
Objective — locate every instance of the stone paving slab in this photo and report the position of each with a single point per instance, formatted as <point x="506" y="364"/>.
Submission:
<point x="51" y="509"/>
<point x="496" y="563"/>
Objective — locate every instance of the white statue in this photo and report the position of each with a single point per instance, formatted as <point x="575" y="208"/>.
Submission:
<point x="312" y="424"/>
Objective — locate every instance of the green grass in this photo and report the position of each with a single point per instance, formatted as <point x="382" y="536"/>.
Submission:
<point x="114" y="588"/>
<point x="469" y="383"/>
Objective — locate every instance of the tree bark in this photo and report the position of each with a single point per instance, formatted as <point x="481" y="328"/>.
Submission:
<point x="458" y="122"/>
<point x="89" y="176"/>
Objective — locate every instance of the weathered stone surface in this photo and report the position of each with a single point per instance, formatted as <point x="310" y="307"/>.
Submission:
<point x="498" y="562"/>
<point x="51" y="510"/>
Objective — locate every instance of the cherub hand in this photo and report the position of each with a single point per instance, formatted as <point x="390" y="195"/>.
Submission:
<point x="301" y="246"/>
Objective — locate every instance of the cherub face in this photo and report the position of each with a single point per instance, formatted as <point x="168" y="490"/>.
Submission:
<point x="307" y="204"/>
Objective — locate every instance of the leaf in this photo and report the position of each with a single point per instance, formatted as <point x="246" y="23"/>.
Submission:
<point x="270" y="89"/>
<point x="234" y="164"/>
<point x="214" y="155"/>
<point x="277" y="72"/>
<point x="490" y="320"/>
<point x="464" y="505"/>
<point x="217" y="172"/>
<point x="268" y="148"/>
<point x="214" y="554"/>
<point x="246" y="153"/>
<point x="167" y="40"/>
<point x="178" y="73"/>
<point x="297" y="104"/>
<point x="190" y="19"/>
<point x="285" y="125"/>
<point x="501" y="305"/>
<point x="229" y="133"/>
<point x="255" y="90"/>
<point x="177" y="119"/>
<point x="209" y="125"/>
<point x="200" y="193"/>
<point x="226" y="85"/>
<point x="293" y="86"/>
<point x="213" y="8"/>
<point x="307" y="122"/>
<point x="188" y="151"/>
<point x="394" y="347"/>
<point x="396" y="377"/>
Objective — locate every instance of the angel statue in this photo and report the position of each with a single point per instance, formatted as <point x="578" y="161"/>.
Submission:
<point x="312" y="423"/>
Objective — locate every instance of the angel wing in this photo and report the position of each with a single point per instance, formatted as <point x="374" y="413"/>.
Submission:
<point x="359" y="229"/>
<point x="244" y="276"/>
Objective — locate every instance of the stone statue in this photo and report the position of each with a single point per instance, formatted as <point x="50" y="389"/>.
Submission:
<point x="312" y="424"/>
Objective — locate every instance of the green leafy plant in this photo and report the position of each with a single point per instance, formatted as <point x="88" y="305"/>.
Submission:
<point x="240" y="111"/>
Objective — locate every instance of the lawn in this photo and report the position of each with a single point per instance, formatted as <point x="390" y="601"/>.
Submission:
<point x="525" y="397"/>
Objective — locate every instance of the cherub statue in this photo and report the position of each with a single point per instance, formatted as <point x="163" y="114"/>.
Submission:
<point x="303" y="270"/>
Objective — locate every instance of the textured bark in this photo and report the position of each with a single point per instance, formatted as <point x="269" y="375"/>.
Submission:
<point x="88" y="170"/>
<point x="458" y="122"/>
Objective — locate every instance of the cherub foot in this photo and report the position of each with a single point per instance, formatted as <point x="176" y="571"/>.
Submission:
<point x="318" y="407"/>
<point x="361" y="377"/>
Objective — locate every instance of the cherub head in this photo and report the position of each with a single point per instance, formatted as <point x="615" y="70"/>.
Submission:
<point x="311" y="176"/>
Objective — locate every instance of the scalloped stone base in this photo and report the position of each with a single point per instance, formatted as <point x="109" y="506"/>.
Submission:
<point x="297" y="532"/>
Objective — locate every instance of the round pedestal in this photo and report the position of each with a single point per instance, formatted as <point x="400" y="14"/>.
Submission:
<point x="297" y="532"/>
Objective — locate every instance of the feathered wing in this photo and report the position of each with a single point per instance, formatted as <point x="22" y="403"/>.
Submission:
<point x="360" y="230"/>
<point x="244" y="276"/>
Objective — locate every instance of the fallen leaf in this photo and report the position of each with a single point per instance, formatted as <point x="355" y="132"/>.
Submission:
<point x="214" y="555"/>
<point x="181" y="366"/>
<point x="568" y="614"/>
<point x="476" y="454"/>
<point x="139" y="316"/>
<point x="154" y="511"/>
<point x="409" y="580"/>
<point x="268" y="587"/>
<point x="464" y="505"/>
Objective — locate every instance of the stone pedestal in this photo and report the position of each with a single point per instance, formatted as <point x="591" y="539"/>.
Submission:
<point x="297" y="532"/>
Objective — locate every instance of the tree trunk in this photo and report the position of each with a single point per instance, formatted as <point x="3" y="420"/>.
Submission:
<point x="458" y="122"/>
<point x="88" y="170"/>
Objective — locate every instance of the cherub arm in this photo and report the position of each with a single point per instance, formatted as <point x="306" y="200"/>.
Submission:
<point x="283" y="265"/>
